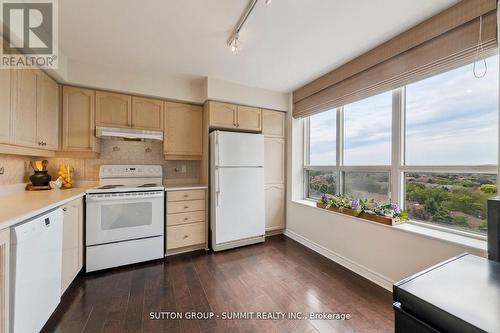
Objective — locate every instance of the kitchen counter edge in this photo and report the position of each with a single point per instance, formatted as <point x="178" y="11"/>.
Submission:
<point x="188" y="187"/>
<point x="58" y="201"/>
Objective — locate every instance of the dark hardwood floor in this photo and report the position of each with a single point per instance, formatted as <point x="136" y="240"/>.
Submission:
<point x="279" y="275"/>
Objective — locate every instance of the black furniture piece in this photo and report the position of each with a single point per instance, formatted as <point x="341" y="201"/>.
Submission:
<point x="494" y="229"/>
<point x="459" y="295"/>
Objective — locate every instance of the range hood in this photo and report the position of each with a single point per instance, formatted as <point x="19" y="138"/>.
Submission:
<point x="128" y="133"/>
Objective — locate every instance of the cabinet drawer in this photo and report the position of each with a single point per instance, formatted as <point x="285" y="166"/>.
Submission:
<point x="185" y="206"/>
<point x="186" y="195"/>
<point x="183" y="218"/>
<point x="185" y="235"/>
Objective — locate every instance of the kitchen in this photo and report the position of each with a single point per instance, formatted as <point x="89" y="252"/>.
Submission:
<point x="91" y="129"/>
<point x="184" y="167"/>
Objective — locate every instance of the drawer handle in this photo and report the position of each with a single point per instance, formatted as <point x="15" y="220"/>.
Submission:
<point x="186" y="218"/>
<point x="186" y="236"/>
<point x="186" y="207"/>
<point x="186" y="195"/>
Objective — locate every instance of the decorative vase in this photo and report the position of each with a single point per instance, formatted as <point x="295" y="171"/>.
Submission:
<point x="40" y="178"/>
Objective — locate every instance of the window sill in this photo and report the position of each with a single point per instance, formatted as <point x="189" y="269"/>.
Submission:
<point x="478" y="245"/>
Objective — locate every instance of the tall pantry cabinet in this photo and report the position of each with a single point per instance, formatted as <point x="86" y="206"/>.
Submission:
<point x="273" y="128"/>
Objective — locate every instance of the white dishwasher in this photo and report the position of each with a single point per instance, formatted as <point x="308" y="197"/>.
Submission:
<point x="35" y="280"/>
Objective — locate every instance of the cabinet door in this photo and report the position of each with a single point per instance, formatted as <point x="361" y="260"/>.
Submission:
<point x="274" y="160"/>
<point x="183" y="131"/>
<point x="222" y="115"/>
<point x="114" y="110"/>
<point x="6" y="133"/>
<point x="47" y="112"/>
<point x="275" y="206"/>
<point x="78" y="120"/>
<point x="72" y="242"/>
<point x="249" y="118"/>
<point x="25" y="108"/>
<point x="4" y="279"/>
<point x="273" y="123"/>
<point x="147" y="114"/>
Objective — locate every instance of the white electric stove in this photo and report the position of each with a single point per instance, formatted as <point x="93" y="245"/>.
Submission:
<point x="125" y="216"/>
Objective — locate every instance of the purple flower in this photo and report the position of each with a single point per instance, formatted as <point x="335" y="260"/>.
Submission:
<point x="324" y="199"/>
<point x="395" y="208"/>
<point x="355" y="204"/>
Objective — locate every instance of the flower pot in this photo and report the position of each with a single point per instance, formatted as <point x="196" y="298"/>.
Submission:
<point x="40" y="178"/>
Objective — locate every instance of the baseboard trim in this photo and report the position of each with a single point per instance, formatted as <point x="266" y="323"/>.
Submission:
<point x="359" y="269"/>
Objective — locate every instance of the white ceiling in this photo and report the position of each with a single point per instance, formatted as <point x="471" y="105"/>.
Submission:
<point x="283" y="45"/>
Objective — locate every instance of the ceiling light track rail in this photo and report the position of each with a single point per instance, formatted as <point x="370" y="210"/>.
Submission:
<point x="232" y="42"/>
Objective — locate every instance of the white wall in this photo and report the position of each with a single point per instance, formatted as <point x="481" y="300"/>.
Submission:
<point x="140" y="82"/>
<point x="224" y="91"/>
<point x="380" y="253"/>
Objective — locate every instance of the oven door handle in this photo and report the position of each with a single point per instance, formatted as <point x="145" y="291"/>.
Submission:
<point x="124" y="196"/>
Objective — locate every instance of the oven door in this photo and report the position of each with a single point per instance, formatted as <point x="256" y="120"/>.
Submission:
<point x="113" y="217"/>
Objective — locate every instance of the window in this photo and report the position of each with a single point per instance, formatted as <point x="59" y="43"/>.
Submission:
<point x="452" y="118"/>
<point x="450" y="199"/>
<point x="322" y="141"/>
<point x="367" y="127"/>
<point x="373" y="185"/>
<point x="447" y="162"/>
<point x="320" y="182"/>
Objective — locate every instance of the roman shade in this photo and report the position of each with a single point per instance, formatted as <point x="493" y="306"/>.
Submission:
<point x="445" y="41"/>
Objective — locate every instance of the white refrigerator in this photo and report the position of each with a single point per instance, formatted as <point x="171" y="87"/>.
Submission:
<point x="237" y="189"/>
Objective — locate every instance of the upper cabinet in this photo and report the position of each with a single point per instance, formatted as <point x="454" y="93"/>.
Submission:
<point x="25" y="126"/>
<point x="78" y="120"/>
<point x="273" y="123"/>
<point x="119" y="110"/>
<point x="6" y="132"/>
<point x="114" y="110"/>
<point x="249" y="118"/>
<point x="183" y="132"/>
<point x="147" y="113"/>
<point x="222" y="115"/>
<point x="231" y="116"/>
<point x="35" y="110"/>
<point x="47" y="112"/>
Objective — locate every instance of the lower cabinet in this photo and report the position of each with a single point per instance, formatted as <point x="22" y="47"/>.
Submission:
<point x="275" y="206"/>
<point x="186" y="221"/>
<point x="4" y="279"/>
<point x="72" y="258"/>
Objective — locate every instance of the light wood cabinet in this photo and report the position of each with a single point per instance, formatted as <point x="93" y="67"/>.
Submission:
<point x="274" y="160"/>
<point x="78" y="120"/>
<point x="147" y="114"/>
<point x="186" y="222"/>
<point x="249" y="118"/>
<point x="232" y="116"/>
<point x="222" y="115"/>
<point x="114" y="110"/>
<point x="274" y="129"/>
<point x="4" y="279"/>
<point x="273" y="123"/>
<point x="183" y="132"/>
<point x="275" y="206"/>
<point x="25" y="117"/>
<point x="47" y="112"/>
<point x="6" y="132"/>
<point x="72" y="257"/>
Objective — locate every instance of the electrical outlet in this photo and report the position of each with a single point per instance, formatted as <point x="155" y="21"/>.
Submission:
<point x="183" y="168"/>
<point x="2" y="170"/>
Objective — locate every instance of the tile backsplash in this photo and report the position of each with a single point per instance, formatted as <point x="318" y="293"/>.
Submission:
<point x="113" y="151"/>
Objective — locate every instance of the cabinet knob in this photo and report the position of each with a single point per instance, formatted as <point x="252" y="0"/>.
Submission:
<point x="65" y="209"/>
<point x="186" y="195"/>
<point x="186" y="218"/>
<point x="186" y="207"/>
<point x="186" y="236"/>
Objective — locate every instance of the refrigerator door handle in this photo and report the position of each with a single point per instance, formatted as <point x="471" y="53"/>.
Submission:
<point x="217" y="186"/>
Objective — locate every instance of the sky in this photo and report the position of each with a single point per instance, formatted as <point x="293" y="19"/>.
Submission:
<point x="451" y="119"/>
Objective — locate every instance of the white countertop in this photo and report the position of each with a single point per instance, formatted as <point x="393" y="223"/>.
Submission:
<point x="185" y="187"/>
<point x="20" y="206"/>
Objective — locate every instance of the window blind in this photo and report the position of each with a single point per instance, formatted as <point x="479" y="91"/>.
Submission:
<point x="445" y="41"/>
